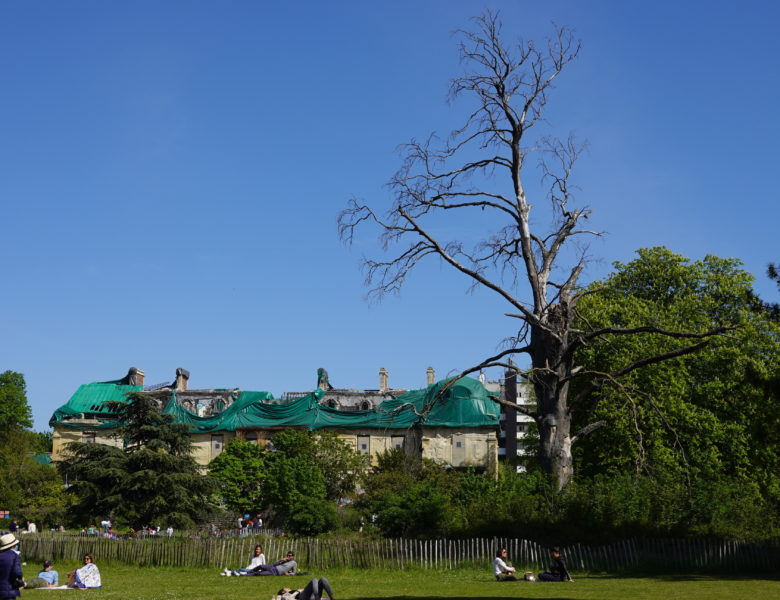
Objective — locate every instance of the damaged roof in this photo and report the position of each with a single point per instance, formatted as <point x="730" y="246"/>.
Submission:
<point x="447" y="403"/>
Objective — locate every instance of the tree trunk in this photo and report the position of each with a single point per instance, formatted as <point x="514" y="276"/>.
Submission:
<point x="551" y="366"/>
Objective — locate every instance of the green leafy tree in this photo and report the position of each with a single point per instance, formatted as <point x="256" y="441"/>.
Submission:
<point x="30" y="490"/>
<point x="410" y="496"/>
<point x="423" y="510"/>
<point x="152" y="480"/>
<point x="696" y="423"/>
<point x="239" y="472"/>
<point x="341" y="466"/>
<point x="292" y="487"/>
<point x="15" y="412"/>
<point x="42" y="442"/>
<point x="93" y="474"/>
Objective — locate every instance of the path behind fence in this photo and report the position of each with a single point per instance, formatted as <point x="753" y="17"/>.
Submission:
<point x="670" y="555"/>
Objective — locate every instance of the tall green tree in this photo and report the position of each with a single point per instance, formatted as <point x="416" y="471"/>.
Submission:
<point x="30" y="490"/>
<point x="239" y="472"/>
<point x="701" y="425"/>
<point x="298" y="478"/>
<point x="341" y="466"/>
<point x="15" y="412"/>
<point x="152" y="480"/>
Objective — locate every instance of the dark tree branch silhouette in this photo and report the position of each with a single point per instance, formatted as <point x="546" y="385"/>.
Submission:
<point x="479" y="171"/>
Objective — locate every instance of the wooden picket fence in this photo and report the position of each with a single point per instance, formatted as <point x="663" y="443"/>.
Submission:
<point x="667" y="555"/>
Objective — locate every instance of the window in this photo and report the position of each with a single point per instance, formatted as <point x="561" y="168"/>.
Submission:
<point x="459" y="444"/>
<point x="217" y="442"/>
<point x="397" y="442"/>
<point x="365" y="405"/>
<point x="88" y="437"/>
<point x="364" y="444"/>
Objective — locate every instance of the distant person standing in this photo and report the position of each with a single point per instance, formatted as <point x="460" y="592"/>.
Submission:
<point x="13" y="527"/>
<point x="31" y="527"/>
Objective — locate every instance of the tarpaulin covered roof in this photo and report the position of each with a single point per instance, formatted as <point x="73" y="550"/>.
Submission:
<point x="461" y="403"/>
<point x="91" y="400"/>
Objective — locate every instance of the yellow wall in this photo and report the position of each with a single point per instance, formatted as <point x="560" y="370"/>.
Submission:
<point x="478" y="447"/>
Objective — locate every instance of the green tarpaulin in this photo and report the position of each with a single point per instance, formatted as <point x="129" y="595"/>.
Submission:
<point x="462" y="403"/>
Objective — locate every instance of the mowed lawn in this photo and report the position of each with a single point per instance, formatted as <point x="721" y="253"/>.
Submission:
<point x="130" y="583"/>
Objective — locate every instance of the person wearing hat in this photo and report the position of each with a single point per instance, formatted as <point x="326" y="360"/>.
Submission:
<point x="47" y="577"/>
<point x="11" y="576"/>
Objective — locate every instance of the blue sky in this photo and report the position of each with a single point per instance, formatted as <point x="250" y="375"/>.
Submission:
<point x="171" y="172"/>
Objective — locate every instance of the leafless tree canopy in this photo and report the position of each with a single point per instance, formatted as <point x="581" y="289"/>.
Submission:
<point x="479" y="170"/>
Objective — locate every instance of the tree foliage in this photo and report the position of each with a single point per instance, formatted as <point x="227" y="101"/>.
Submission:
<point x="298" y="478"/>
<point x="30" y="490"/>
<point x="15" y="412"/>
<point x="239" y="471"/>
<point x="152" y="480"/>
<point x="703" y="427"/>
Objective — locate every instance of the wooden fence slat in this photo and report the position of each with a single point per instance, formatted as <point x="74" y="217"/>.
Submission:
<point x="668" y="554"/>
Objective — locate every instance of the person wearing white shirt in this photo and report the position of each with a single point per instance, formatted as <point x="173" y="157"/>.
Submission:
<point x="258" y="558"/>
<point x="501" y="569"/>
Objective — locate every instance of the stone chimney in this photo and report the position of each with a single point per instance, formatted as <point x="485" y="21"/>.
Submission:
<point x="430" y="376"/>
<point x="383" y="380"/>
<point x="182" y="378"/>
<point x="135" y="377"/>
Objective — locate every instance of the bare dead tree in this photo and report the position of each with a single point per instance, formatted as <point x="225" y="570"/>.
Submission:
<point x="479" y="170"/>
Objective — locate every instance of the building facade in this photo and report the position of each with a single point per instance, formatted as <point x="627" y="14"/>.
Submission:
<point x="452" y="422"/>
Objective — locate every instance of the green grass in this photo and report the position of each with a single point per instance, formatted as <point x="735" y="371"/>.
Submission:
<point x="165" y="583"/>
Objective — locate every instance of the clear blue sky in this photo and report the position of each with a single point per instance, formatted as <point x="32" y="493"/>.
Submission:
<point x="171" y="172"/>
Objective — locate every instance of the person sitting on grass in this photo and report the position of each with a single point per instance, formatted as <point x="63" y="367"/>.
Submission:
<point x="312" y="591"/>
<point x="47" y="577"/>
<point x="285" y="566"/>
<point x="258" y="558"/>
<point x="502" y="569"/>
<point x="557" y="570"/>
<point x="85" y="577"/>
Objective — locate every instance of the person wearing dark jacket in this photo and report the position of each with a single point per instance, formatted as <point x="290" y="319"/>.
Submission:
<point x="557" y="570"/>
<point x="11" y="576"/>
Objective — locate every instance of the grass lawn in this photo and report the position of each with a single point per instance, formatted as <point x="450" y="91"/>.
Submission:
<point x="129" y="583"/>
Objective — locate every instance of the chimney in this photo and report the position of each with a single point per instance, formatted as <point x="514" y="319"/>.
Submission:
<point x="135" y="377"/>
<point x="383" y="380"/>
<point x="182" y="377"/>
<point x="430" y="376"/>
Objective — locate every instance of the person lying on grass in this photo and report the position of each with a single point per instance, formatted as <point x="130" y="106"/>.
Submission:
<point x="47" y="577"/>
<point x="285" y="566"/>
<point x="312" y="591"/>
<point x="258" y="558"/>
